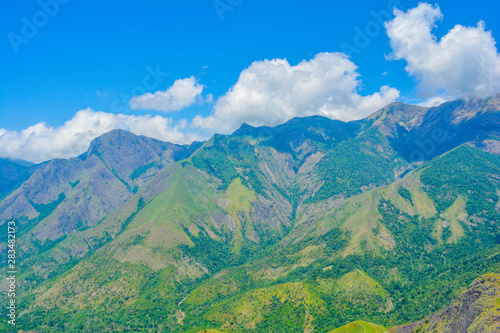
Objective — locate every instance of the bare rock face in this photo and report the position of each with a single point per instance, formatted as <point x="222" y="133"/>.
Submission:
<point x="420" y="133"/>
<point x="123" y="152"/>
<point x="397" y="114"/>
<point x="475" y="310"/>
<point x="489" y="145"/>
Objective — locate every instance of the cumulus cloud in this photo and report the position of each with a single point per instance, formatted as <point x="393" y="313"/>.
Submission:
<point x="434" y="101"/>
<point x="41" y="142"/>
<point x="181" y="94"/>
<point x="464" y="62"/>
<point x="269" y="92"/>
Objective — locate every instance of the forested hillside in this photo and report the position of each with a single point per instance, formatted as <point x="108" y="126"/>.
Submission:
<point x="305" y="227"/>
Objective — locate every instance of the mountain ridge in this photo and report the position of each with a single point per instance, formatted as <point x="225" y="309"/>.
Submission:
<point x="275" y="221"/>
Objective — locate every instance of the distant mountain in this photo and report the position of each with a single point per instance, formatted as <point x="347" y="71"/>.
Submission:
<point x="420" y="134"/>
<point x="12" y="174"/>
<point x="303" y="227"/>
<point x="62" y="196"/>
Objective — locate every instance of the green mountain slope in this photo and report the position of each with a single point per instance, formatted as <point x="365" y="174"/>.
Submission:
<point x="475" y="310"/>
<point x="306" y="227"/>
<point x="360" y="327"/>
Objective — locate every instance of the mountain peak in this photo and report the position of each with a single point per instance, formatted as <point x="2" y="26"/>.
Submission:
<point x="245" y="129"/>
<point x="113" y="135"/>
<point x="113" y="140"/>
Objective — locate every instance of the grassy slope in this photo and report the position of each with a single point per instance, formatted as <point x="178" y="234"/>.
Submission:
<point x="149" y="248"/>
<point x="360" y="327"/>
<point x="239" y="202"/>
<point x="260" y="308"/>
<point x="138" y="257"/>
<point x="357" y="287"/>
<point x="399" y="277"/>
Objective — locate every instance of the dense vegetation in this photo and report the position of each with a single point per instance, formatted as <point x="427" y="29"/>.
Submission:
<point x="309" y="227"/>
<point x="469" y="172"/>
<point x="355" y="164"/>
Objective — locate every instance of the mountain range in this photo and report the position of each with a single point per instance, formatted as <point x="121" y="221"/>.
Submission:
<point x="316" y="225"/>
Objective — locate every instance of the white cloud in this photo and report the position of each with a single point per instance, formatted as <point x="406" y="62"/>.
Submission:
<point x="101" y="93"/>
<point x="434" y="101"/>
<point x="270" y="92"/>
<point x="464" y="62"/>
<point x="41" y="142"/>
<point x="181" y="94"/>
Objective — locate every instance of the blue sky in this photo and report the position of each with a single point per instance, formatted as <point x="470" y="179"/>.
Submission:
<point x="97" y="55"/>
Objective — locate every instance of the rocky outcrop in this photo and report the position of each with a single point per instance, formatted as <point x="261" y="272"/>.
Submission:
<point x="475" y="310"/>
